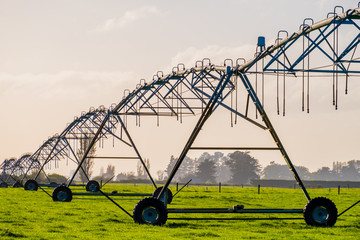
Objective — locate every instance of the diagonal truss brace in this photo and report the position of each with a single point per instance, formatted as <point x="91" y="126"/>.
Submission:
<point x="204" y="116"/>
<point x="210" y="108"/>
<point x="272" y="131"/>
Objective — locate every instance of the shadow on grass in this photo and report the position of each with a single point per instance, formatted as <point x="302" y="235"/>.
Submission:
<point x="114" y="220"/>
<point x="177" y="225"/>
<point x="347" y="226"/>
<point x="105" y="199"/>
<point x="8" y="233"/>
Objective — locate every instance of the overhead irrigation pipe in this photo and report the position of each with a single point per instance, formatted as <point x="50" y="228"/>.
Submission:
<point x="315" y="26"/>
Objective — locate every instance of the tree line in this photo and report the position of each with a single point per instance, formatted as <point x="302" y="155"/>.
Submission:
<point x="239" y="167"/>
<point x="235" y="168"/>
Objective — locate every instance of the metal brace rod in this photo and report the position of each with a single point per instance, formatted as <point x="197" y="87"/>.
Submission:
<point x="204" y="116"/>
<point x="237" y="219"/>
<point x="182" y="187"/>
<point x="137" y="152"/>
<point x="76" y="158"/>
<point x="47" y="159"/>
<point x="272" y="131"/>
<point x="115" y="203"/>
<point x="115" y="157"/>
<point x="89" y="148"/>
<point x="234" y="148"/>
<point x="348" y="208"/>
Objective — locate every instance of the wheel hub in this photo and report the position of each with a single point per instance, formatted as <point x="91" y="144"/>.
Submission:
<point x="320" y="214"/>
<point x="31" y="186"/>
<point x="150" y="215"/>
<point x="62" y="196"/>
<point x="93" y="188"/>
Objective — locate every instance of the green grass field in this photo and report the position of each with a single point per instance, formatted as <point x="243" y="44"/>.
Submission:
<point x="33" y="215"/>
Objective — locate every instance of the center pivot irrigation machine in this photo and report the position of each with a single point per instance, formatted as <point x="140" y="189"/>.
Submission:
<point x="65" y="147"/>
<point x="316" y="50"/>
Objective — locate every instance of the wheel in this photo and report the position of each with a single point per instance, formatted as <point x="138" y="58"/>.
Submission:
<point x="17" y="185"/>
<point x="62" y="194"/>
<point x="31" y="185"/>
<point x="3" y="185"/>
<point x="169" y="195"/>
<point x="150" y="211"/>
<point x="320" y="212"/>
<point x="92" y="186"/>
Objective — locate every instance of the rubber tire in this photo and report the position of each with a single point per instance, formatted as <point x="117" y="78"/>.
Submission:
<point x="150" y="206"/>
<point x="316" y="208"/>
<point x="157" y="192"/>
<point x="92" y="186"/>
<point x="31" y="185"/>
<point x="62" y="194"/>
<point x="4" y="185"/>
<point x="17" y="185"/>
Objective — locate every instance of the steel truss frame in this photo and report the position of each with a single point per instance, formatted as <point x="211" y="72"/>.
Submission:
<point x="243" y="71"/>
<point x="205" y="87"/>
<point x="152" y="99"/>
<point x="63" y="146"/>
<point x="13" y="170"/>
<point x="6" y="173"/>
<point x="315" y="40"/>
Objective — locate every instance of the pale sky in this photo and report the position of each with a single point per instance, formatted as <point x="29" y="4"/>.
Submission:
<point x="61" y="57"/>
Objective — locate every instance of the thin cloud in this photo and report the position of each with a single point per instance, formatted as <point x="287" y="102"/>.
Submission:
<point x="217" y="54"/>
<point x="102" y="86"/>
<point x="128" y="18"/>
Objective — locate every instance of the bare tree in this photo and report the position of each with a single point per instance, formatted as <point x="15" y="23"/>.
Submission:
<point x="88" y="164"/>
<point x="160" y="175"/>
<point x="141" y="172"/>
<point x="110" y="171"/>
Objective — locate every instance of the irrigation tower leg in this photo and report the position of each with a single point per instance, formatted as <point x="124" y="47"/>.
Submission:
<point x="46" y="161"/>
<point x="272" y="131"/>
<point x="90" y="146"/>
<point x="136" y="150"/>
<point x="204" y="116"/>
<point x="76" y="158"/>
